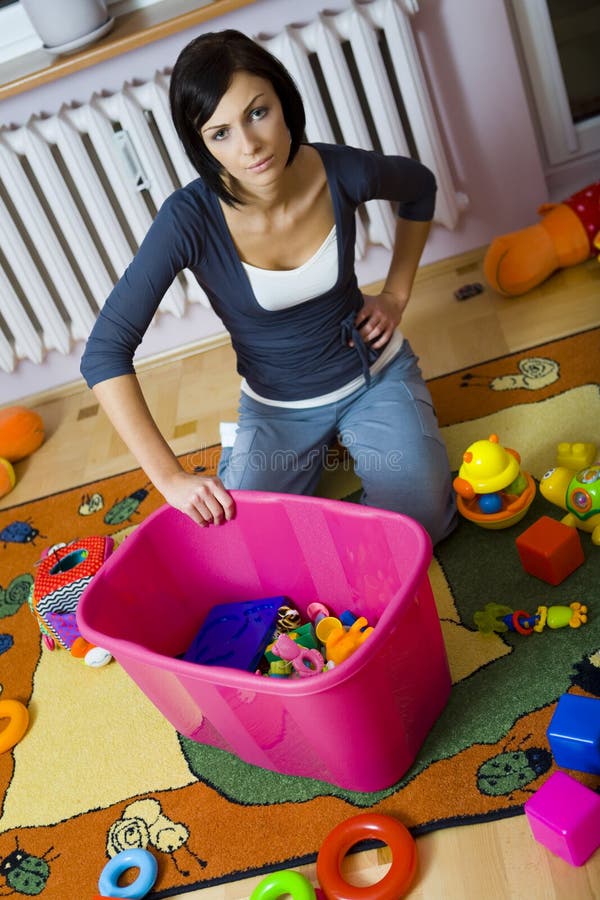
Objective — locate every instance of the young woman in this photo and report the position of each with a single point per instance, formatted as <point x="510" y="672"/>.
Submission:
<point x="269" y="232"/>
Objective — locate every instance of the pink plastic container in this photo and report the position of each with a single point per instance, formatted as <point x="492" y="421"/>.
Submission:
<point x="359" y="725"/>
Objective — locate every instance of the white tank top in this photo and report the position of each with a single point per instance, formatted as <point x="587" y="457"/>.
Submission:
<point x="280" y="289"/>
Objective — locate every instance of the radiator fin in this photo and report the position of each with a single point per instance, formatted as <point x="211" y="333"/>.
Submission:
<point x="72" y="214"/>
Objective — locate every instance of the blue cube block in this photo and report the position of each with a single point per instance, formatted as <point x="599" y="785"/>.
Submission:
<point x="574" y="733"/>
<point x="235" y="634"/>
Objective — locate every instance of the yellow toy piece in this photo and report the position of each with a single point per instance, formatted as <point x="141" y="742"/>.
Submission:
<point x="574" y="615"/>
<point x="8" y="479"/>
<point x="576" y="454"/>
<point x="575" y="488"/>
<point x="492" y="491"/>
<point x="487" y="467"/>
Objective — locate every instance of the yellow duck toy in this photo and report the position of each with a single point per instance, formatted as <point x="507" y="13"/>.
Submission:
<point x="492" y="490"/>
<point x="568" y="234"/>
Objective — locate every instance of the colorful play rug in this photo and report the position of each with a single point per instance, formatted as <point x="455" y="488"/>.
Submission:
<point x="100" y="770"/>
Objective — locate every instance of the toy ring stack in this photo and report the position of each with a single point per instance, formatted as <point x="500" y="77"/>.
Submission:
<point x="359" y="828"/>
<point x="18" y="720"/>
<point x="127" y="859"/>
<point x="280" y="884"/>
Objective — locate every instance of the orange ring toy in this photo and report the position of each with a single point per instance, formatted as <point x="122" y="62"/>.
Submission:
<point x="18" y="720"/>
<point x="344" y="836"/>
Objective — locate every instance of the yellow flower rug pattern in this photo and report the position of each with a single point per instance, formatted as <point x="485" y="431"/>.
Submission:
<point x="100" y="769"/>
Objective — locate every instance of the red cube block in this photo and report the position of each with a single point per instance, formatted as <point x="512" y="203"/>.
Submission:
<point x="550" y="550"/>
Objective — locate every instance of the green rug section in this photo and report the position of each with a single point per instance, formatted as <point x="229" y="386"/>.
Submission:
<point x="480" y="566"/>
<point x="483" y="566"/>
<point x="249" y="785"/>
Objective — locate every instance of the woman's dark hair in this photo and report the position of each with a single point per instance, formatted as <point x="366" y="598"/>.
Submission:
<point x="201" y="76"/>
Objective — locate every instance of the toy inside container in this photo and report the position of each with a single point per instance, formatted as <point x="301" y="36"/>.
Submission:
<point x="269" y="636"/>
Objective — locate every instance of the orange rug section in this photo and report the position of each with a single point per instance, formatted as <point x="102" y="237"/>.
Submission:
<point x="537" y="373"/>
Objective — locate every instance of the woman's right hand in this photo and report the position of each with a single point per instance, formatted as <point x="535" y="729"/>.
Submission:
<point x="203" y="498"/>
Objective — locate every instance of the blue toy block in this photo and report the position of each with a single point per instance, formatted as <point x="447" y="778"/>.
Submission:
<point x="235" y="634"/>
<point x="574" y="733"/>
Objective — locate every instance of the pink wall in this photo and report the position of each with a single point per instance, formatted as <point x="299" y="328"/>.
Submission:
<point x="469" y="56"/>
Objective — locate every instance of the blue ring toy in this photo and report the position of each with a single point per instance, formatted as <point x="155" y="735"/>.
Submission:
<point x="127" y="859"/>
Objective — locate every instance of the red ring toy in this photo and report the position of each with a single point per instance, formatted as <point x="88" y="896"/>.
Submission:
<point x="516" y="620"/>
<point x="344" y="836"/>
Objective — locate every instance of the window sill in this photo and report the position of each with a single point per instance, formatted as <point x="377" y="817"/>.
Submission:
<point x="132" y="30"/>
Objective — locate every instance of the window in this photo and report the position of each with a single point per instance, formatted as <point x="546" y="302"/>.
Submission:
<point x="560" y="41"/>
<point x="576" y="27"/>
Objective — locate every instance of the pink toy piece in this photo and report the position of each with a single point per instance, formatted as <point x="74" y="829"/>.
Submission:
<point x="304" y="660"/>
<point x="360" y="725"/>
<point x="564" y="815"/>
<point x="48" y="642"/>
<point x="64" y="625"/>
<point x="316" y="611"/>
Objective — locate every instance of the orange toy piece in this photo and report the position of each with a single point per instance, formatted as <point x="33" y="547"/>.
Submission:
<point x="341" y="644"/>
<point x="18" y="721"/>
<point x="568" y="234"/>
<point x="21" y="432"/>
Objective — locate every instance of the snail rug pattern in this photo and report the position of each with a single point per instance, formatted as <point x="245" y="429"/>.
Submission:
<point x="100" y="767"/>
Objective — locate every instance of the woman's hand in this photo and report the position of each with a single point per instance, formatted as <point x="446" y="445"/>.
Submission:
<point x="379" y="317"/>
<point x="203" y="499"/>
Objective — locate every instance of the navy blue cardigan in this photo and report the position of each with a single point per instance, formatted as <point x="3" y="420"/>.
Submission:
<point x="287" y="354"/>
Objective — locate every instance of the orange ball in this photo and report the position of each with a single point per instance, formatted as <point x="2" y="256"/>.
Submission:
<point x="7" y="477"/>
<point x="21" y="432"/>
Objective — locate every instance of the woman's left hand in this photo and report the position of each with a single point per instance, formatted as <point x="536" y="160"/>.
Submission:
<point x="379" y="317"/>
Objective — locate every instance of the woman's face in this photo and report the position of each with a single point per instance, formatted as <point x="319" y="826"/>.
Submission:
<point x="247" y="133"/>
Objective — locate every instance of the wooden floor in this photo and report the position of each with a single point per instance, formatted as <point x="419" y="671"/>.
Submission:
<point x="189" y="396"/>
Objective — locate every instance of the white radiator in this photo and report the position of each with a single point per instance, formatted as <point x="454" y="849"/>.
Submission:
<point x="79" y="188"/>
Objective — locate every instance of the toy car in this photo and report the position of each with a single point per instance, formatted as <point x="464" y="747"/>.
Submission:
<point x="468" y="290"/>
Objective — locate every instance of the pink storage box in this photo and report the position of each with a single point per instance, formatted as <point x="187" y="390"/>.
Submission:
<point x="360" y="725"/>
